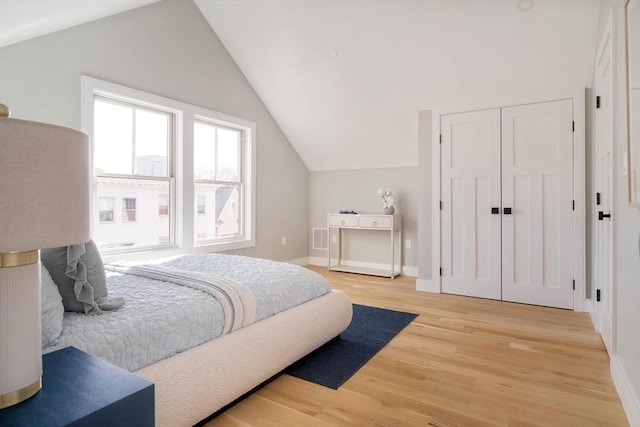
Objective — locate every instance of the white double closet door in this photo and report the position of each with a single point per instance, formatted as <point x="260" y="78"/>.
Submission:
<point x="507" y="203"/>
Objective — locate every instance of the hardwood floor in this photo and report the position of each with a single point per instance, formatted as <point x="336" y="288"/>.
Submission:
<point x="462" y="362"/>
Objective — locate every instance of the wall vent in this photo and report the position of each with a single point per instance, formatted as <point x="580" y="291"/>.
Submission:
<point x="321" y="238"/>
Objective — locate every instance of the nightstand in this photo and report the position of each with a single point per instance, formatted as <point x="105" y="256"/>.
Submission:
<point x="80" y="389"/>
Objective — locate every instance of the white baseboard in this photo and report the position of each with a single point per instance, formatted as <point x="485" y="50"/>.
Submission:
<point x="299" y="261"/>
<point x="630" y="402"/>
<point x="318" y="260"/>
<point x="407" y="270"/>
<point x="587" y="305"/>
<point x="410" y="271"/>
<point x="427" y="286"/>
<point x="594" y="319"/>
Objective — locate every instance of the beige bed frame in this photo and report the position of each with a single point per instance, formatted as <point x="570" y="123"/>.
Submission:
<point x="194" y="384"/>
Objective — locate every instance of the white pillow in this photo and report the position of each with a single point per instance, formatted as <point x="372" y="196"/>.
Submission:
<point x="52" y="310"/>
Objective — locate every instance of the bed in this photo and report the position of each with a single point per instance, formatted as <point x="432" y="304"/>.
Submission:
<point x="206" y="328"/>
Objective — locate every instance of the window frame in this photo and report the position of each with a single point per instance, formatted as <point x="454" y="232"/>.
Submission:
<point x="239" y="184"/>
<point x="182" y="198"/>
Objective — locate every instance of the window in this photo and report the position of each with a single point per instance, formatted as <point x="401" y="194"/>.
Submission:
<point x="128" y="209"/>
<point x="218" y="171"/>
<point x="144" y="149"/>
<point x="105" y="209"/>
<point x="132" y="145"/>
<point x="202" y="204"/>
<point x="163" y="205"/>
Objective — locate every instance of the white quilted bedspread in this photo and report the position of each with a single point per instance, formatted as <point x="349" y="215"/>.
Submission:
<point x="160" y="319"/>
<point x="276" y="286"/>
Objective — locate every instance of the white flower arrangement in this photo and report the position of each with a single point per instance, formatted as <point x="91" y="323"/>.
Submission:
<point x="387" y="198"/>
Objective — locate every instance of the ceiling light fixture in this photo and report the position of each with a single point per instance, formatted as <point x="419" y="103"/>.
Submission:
<point x="332" y="53"/>
<point x="525" y="5"/>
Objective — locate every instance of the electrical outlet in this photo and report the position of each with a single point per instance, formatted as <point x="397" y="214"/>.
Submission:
<point x="407" y="244"/>
<point x="284" y="240"/>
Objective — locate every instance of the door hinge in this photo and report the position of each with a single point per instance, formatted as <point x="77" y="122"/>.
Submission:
<point x="597" y="198"/>
<point x="598" y="295"/>
<point x="441" y="273"/>
<point x="573" y="205"/>
<point x="440" y="138"/>
<point x="573" y="126"/>
<point x="440" y="204"/>
<point x="597" y="101"/>
<point x="574" y="284"/>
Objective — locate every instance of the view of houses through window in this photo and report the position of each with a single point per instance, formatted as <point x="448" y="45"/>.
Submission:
<point x="134" y="148"/>
<point x="217" y="173"/>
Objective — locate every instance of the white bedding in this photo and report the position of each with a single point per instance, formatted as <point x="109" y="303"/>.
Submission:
<point x="237" y="301"/>
<point x="160" y="319"/>
<point x="276" y="286"/>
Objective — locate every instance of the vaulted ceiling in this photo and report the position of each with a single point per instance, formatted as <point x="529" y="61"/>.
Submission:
<point x="345" y="79"/>
<point x="25" y="19"/>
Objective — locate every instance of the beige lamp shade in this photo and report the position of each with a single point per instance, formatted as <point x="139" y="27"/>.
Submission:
<point x="44" y="186"/>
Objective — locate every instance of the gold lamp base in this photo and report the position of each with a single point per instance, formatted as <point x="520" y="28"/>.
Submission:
<point x="4" y="111"/>
<point x="18" y="396"/>
<point x="20" y="328"/>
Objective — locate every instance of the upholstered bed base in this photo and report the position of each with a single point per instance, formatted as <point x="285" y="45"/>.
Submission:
<point x="194" y="384"/>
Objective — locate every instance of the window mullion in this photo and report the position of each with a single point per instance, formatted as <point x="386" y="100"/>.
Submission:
<point x="215" y="163"/>
<point x="241" y="151"/>
<point x="133" y="141"/>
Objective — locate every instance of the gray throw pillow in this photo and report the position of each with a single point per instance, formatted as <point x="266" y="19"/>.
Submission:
<point x="79" y="273"/>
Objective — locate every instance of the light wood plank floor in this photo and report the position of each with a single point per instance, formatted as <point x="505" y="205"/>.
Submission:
<point x="462" y="362"/>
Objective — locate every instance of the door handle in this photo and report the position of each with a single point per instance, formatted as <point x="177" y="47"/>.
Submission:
<point x="507" y="211"/>
<point x="495" y="211"/>
<point x="602" y="215"/>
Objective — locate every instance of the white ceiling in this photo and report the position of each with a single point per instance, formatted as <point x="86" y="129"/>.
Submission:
<point x="345" y="79"/>
<point x="25" y="19"/>
<point x="393" y="58"/>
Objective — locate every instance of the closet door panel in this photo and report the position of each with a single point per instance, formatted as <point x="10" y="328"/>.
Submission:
<point x="470" y="180"/>
<point x="520" y="192"/>
<point x="537" y="183"/>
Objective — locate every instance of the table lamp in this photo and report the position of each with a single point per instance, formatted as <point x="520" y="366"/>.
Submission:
<point x="44" y="202"/>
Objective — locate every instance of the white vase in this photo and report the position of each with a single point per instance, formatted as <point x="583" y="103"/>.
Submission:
<point x="389" y="211"/>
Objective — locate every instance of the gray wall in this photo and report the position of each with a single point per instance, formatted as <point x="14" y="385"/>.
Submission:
<point x="168" y="49"/>
<point x="626" y="222"/>
<point x="355" y="190"/>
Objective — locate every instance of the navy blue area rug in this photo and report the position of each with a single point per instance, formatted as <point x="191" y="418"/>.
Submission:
<point x="335" y="362"/>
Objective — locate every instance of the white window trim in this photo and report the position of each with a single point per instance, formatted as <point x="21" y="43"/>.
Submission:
<point x="184" y="196"/>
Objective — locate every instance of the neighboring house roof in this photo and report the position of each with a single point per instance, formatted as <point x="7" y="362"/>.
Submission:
<point x="222" y="197"/>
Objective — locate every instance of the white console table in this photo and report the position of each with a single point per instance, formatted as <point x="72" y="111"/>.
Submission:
<point x="391" y="224"/>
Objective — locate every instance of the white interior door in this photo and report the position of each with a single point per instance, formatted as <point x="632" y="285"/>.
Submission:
<point x="537" y="188"/>
<point x="470" y="180"/>
<point x="604" y="186"/>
